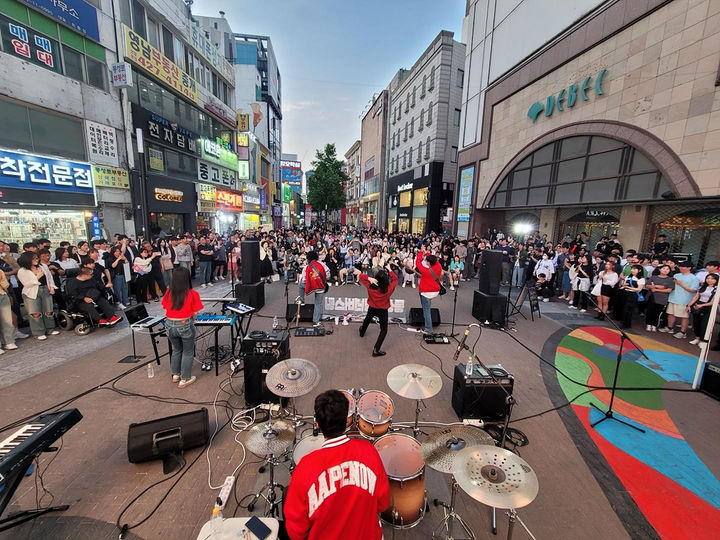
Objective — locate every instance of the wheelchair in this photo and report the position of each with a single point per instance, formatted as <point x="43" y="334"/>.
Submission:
<point x="72" y="319"/>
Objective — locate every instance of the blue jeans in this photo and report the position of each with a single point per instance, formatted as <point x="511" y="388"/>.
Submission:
<point x="427" y="315"/>
<point x="518" y="276"/>
<point x="42" y="304"/>
<point x="205" y="272"/>
<point x="301" y="291"/>
<point x="319" y="307"/>
<point x="181" y="335"/>
<point x="184" y="264"/>
<point x="120" y="288"/>
<point x="8" y="330"/>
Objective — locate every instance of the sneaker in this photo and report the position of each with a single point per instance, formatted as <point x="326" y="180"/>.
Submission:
<point x="120" y="305"/>
<point x="571" y="307"/>
<point x="403" y="284"/>
<point x="583" y="311"/>
<point x="113" y="319"/>
<point x="695" y="341"/>
<point x="561" y="297"/>
<point x="102" y="322"/>
<point x="42" y="338"/>
<point x="413" y="284"/>
<point x="653" y="329"/>
<point x="648" y="328"/>
<point x="176" y="378"/>
<point x="2" y="352"/>
<point x="10" y="347"/>
<point x="209" y="284"/>
<point x="20" y="335"/>
<point x="665" y="330"/>
<point x="452" y="288"/>
<point x="317" y="325"/>
<point x="680" y="335"/>
<point x="54" y="332"/>
<point x="203" y="286"/>
<point x="546" y="299"/>
<point x="186" y="382"/>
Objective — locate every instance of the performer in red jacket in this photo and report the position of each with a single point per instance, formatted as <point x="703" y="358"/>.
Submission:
<point x="338" y="490"/>
<point x="316" y="274"/>
<point x="429" y="286"/>
<point x="380" y="289"/>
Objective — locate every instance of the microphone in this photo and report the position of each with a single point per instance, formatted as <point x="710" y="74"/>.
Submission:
<point x="461" y="345"/>
<point x="315" y="428"/>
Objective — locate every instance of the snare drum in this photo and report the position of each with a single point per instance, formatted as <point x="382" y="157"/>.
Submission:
<point x="351" y="409"/>
<point x="405" y="468"/>
<point x="306" y="445"/>
<point x="374" y="413"/>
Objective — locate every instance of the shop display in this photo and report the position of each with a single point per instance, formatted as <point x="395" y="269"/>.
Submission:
<point x="24" y="225"/>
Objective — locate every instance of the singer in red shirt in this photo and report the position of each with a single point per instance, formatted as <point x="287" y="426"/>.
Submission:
<point x="429" y="286"/>
<point x="380" y="289"/>
<point x="337" y="491"/>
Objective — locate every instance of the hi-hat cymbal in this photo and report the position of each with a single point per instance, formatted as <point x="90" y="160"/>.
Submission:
<point x="496" y="477"/>
<point x="293" y="377"/>
<point x="414" y="381"/>
<point x="441" y="447"/>
<point x="270" y="438"/>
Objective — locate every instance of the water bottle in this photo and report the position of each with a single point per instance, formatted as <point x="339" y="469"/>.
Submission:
<point x="151" y="371"/>
<point x="216" y="524"/>
<point x="275" y="322"/>
<point x="469" y="367"/>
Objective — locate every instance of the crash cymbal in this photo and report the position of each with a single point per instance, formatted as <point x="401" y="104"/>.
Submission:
<point x="270" y="438"/>
<point x="495" y="477"/>
<point x="414" y="381"/>
<point x="293" y="377"/>
<point x="441" y="447"/>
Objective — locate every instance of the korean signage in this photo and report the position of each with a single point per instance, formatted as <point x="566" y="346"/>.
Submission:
<point x="156" y="160"/>
<point x="218" y="152"/>
<point x="243" y="122"/>
<point x="286" y="193"/>
<point x="228" y="201"/>
<point x="75" y="14"/>
<point x="566" y="98"/>
<point x="27" y="44"/>
<point x="263" y="199"/>
<point x="162" y="131"/>
<point x="243" y="141"/>
<point x="95" y="225"/>
<point x="154" y="62"/>
<point x="465" y="194"/>
<point x="168" y="195"/>
<point x="208" y="172"/>
<point x="308" y="215"/>
<point x="29" y="178"/>
<point x="121" y="74"/>
<point x="206" y="198"/>
<point x="292" y="176"/>
<point x="210" y="53"/>
<point x="102" y="144"/>
<point x="111" y="177"/>
<point x="222" y="112"/>
<point x="244" y="170"/>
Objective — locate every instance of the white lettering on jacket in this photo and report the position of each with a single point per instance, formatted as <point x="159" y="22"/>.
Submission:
<point x="348" y="473"/>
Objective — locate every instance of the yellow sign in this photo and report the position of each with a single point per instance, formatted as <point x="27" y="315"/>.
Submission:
<point x="243" y="122"/>
<point x="243" y="139"/>
<point x="146" y="56"/>
<point x="155" y="157"/>
<point x="111" y="177"/>
<point x="206" y="198"/>
<point x="168" y="195"/>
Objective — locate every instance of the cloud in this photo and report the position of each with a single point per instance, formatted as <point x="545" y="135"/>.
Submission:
<point x="298" y="106"/>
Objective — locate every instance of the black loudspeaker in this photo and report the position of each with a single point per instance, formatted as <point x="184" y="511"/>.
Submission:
<point x="250" y="253"/>
<point x="489" y="307"/>
<point x="478" y="396"/>
<point x="255" y="368"/>
<point x="259" y="342"/>
<point x="156" y="439"/>
<point x="490" y="271"/>
<point x="252" y="295"/>
<point x="417" y="319"/>
<point x="306" y="312"/>
<point x="710" y="383"/>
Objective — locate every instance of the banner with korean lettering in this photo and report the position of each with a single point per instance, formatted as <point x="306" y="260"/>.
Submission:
<point x="141" y="53"/>
<point x="75" y="14"/>
<point x="30" y="179"/>
<point x="206" y="198"/>
<point x="465" y="196"/>
<point x="102" y="143"/>
<point x="111" y="177"/>
<point x="26" y="43"/>
<point x="211" y="53"/>
<point x="228" y="201"/>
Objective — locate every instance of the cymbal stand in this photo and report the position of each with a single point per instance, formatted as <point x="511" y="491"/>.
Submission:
<point x="512" y="516"/>
<point x="416" y="429"/>
<point x="451" y="516"/>
<point x="271" y="498"/>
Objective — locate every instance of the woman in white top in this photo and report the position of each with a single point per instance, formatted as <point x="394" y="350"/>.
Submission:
<point x="632" y="288"/>
<point x="608" y="279"/>
<point x="701" y="306"/>
<point x="38" y="288"/>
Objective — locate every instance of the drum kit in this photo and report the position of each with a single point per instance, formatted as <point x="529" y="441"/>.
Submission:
<point x="490" y="475"/>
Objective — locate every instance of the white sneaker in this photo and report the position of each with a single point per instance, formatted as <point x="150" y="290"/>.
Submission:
<point x="403" y="284"/>
<point x="571" y="307"/>
<point x="665" y="330"/>
<point x="209" y="284"/>
<point x="203" y="286"/>
<point x="413" y="284"/>
<point x="546" y="299"/>
<point x="452" y="288"/>
<point x="695" y="341"/>
<point x="679" y="335"/>
<point x="653" y="329"/>
<point x="54" y="332"/>
<point x="562" y="297"/>
<point x="648" y="328"/>
<point x="2" y="352"/>
<point x="121" y="305"/>
<point x="583" y="311"/>
<point x="42" y="338"/>
<point x="10" y="347"/>
<point x="21" y="335"/>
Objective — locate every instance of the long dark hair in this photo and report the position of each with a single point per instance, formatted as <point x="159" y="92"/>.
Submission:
<point x="383" y="280"/>
<point x="705" y="284"/>
<point x="179" y="287"/>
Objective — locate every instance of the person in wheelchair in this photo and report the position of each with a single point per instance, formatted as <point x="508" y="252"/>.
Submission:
<point x="84" y="295"/>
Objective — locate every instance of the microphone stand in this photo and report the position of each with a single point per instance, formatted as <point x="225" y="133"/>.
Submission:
<point x="452" y="327"/>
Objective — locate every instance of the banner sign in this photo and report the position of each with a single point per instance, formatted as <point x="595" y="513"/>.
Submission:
<point x="228" y="201"/>
<point x="308" y="215"/>
<point x="111" y="177"/>
<point x="465" y="196"/>
<point x="102" y="144"/>
<point x="340" y="305"/>
<point x="243" y="121"/>
<point x="243" y="140"/>
<point x="165" y="132"/>
<point x="210" y="53"/>
<point x="168" y="195"/>
<point x="29" y="45"/>
<point x="30" y="178"/>
<point x="206" y="198"/>
<point x="75" y="14"/>
<point x="291" y="176"/>
<point x="207" y="172"/>
<point x="244" y="170"/>
<point x="121" y="75"/>
<point x="218" y="152"/>
<point x="263" y="199"/>
<point x="157" y="64"/>
<point x="156" y="159"/>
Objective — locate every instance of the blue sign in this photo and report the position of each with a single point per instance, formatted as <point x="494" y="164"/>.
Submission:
<point x="291" y="176"/>
<point x="95" y="224"/>
<point x="29" y="178"/>
<point x="75" y="14"/>
<point x="263" y="199"/>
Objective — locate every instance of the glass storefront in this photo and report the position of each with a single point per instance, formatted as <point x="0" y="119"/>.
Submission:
<point x="404" y="225"/>
<point x="392" y="216"/>
<point x="166" y="224"/>
<point x="22" y="226"/>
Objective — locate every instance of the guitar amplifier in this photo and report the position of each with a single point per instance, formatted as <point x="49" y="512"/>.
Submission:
<point x="259" y="342"/>
<point x="156" y="439"/>
<point x="710" y="383"/>
<point x="478" y="396"/>
<point x="306" y="312"/>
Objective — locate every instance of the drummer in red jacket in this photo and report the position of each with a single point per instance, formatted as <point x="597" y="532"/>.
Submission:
<point x="338" y="490"/>
<point x="426" y="265"/>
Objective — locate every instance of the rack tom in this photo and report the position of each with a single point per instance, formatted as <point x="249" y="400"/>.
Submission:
<point x="374" y="413"/>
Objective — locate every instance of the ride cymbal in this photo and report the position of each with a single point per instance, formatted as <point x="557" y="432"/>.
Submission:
<point x="293" y="377"/>
<point x="270" y="438"/>
<point x="441" y="447"/>
<point x="414" y="381"/>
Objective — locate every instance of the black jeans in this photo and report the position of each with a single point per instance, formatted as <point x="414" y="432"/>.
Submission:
<point x="580" y="299"/>
<point x="653" y="312"/>
<point x="143" y="284"/>
<point x="91" y="312"/>
<point x="382" y="315"/>
<point x="630" y="302"/>
<point x="700" y="320"/>
<point x="156" y="277"/>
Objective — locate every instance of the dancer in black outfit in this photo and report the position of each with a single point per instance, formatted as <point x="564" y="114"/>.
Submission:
<point x="380" y="289"/>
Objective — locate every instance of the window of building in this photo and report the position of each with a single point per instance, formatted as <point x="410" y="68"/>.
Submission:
<point x="73" y="62"/>
<point x="427" y="148"/>
<point x="460" y="78"/>
<point x="405" y="198"/>
<point x="394" y="116"/>
<point x="585" y="169"/>
<point x="421" y="123"/>
<point x="410" y="152"/>
<point x="405" y="136"/>
<point x="413" y="95"/>
<point x="454" y="154"/>
<point x="430" y="109"/>
<point x="399" y="110"/>
<point x="138" y="15"/>
<point x="153" y="32"/>
<point x="179" y="53"/>
<point x="168" y="47"/>
<point x="95" y="73"/>
<point x="419" y="156"/>
<point x="407" y="103"/>
<point x="420" y="197"/>
<point x="456" y="117"/>
<point x="424" y="86"/>
<point x="214" y="84"/>
<point x="412" y="127"/>
<point x="432" y="78"/>
<point x="404" y="159"/>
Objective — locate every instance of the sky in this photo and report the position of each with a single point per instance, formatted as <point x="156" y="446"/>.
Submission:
<point x="333" y="55"/>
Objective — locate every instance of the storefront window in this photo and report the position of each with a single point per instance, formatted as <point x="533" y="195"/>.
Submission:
<point x="404" y="198"/>
<point x="392" y="216"/>
<point x="24" y="225"/>
<point x="404" y="225"/>
<point x="418" y="225"/>
<point x="420" y="197"/>
<point x="170" y="224"/>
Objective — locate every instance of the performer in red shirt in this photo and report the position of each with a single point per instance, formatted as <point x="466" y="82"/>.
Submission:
<point x="429" y="287"/>
<point x="338" y="490"/>
<point x="380" y="289"/>
<point x="316" y="274"/>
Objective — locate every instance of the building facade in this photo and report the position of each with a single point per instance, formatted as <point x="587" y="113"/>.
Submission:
<point x="422" y="144"/>
<point x="353" y="186"/>
<point x="373" y="140"/>
<point x="611" y="126"/>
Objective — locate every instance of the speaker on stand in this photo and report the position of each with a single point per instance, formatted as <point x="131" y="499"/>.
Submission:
<point x="250" y="254"/>
<point x="490" y="271"/>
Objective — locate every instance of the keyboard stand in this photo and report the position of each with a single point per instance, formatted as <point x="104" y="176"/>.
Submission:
<point x="153" y="335"/>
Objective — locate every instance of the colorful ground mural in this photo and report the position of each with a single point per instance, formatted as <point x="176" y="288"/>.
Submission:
<point x="677" y="493"/>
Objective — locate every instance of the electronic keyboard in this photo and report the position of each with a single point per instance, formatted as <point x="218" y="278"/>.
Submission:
<point x="240" y="309"/>
<point x="214" y="319"/>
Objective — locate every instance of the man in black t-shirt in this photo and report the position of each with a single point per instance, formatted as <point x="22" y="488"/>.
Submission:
<point x="661" y="247"/>
<point x="206" y="253"/>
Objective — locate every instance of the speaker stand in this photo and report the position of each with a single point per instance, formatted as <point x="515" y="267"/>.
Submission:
<point x="452" y="327"/>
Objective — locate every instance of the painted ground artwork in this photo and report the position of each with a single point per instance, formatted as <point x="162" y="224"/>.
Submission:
<point x="677" y="493"/>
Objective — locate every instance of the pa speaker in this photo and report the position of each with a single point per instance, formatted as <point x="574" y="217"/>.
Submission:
<point x="156" y="439"/>
<point x="250" y="253"/>
<point x="479" y="396"/>
<point x="489" y="307"/>
<point x="306" y="312"/>
<point x="490" y="271"/>
<point x="417" y="319"/>
<point x="255" y="368"/>
<point x="252" y="294"/>
<point x="710" y="383"/>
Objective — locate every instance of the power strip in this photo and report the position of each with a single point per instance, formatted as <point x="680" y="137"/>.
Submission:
<point x="273" y="407"/>
<point x="473" y="422"/>
<point x="225" y="491"/>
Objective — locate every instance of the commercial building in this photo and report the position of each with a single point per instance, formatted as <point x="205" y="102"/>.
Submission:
<point x="422" y="147"/>
<point x="291" y="175"/>
<point x="353" y="187"/>
<point x="604" y="117"/>
<point x="63" y="160"/>
<point x="373" y="140"/>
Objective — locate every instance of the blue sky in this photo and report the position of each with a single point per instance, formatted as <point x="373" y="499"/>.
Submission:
<point x="333" y="55"/>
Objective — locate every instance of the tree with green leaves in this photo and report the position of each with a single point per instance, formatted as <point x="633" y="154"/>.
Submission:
<point x="326" y="187"/>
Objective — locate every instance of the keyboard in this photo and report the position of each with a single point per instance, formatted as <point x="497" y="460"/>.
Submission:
<point x="147" y="322"/>
<point x="24" y="445"/>
<point x="240" y="309"/>
<point x="214" y="319"/>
